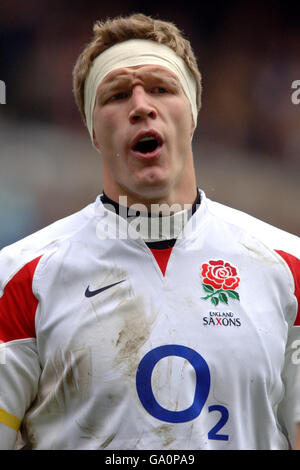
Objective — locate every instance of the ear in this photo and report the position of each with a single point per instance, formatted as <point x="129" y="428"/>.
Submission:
<point x="193" y="123"/>
<point x="96" y="143"/>
<point x="193" y="127"/>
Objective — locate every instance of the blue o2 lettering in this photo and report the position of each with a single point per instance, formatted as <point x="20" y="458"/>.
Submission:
<point x="222" y="421"/>
<point x="144" y="389"/>
<point x="148" y="400"/>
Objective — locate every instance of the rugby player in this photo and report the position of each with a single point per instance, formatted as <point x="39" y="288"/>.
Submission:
<point x="153" y="318"/>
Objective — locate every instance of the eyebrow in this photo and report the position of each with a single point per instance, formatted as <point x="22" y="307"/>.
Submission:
<point x="121" y="79"/>
<point x="112" y="84"/>
<point x="116" y="81"/>
<point x="162" y="74"/>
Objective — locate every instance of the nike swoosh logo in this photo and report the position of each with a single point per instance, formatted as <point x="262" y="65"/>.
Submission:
<point x="91" y="293"/>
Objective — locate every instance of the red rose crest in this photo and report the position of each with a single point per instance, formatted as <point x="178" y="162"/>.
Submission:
<point x="220" y="280"/>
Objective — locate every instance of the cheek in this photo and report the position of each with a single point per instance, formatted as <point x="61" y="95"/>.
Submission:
<point x="183" y="132"/>
<point x="104" y="125"/>
<point x="183" y="119"/>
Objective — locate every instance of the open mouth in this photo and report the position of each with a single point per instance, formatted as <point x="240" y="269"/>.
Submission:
<point x="147" y="144"/>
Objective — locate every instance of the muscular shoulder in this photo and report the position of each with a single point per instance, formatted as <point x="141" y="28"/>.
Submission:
<point x="271" y="236"/>
<point x="278" y="243"/>
<point x="19" y="264"/>
<point x="16" y="256"/>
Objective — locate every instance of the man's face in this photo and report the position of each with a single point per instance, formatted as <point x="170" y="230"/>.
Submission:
<point x="143" y="127"/>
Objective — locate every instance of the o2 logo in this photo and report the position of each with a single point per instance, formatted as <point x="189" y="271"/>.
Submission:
<point x="148" y="400"/>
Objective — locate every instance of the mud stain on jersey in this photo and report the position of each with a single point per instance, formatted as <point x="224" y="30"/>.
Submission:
<point x="260" y="253"/>
<point x="26" y="439"/>
<point x="108" y="441"/>
<point x="164" y="433"/>
<point x="65" y="380"/>
<point x="134" y="333"/>
<point x="106" y="302"/>
<point x="65" y="377"/>
<point x="87" y="430"/>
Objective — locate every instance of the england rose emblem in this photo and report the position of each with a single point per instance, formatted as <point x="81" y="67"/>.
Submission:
<point x="220" y="279"/>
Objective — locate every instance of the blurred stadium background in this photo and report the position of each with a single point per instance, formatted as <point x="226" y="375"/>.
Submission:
<point x="246" y="147"/>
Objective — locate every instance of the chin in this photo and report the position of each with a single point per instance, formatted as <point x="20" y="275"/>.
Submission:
<point x="153" y="188"/>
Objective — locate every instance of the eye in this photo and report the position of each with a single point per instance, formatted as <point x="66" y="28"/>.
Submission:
<point x="118" y="96"/>
<point x="159" y="90"/>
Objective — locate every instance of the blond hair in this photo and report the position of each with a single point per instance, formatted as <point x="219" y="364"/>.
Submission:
<point x="136" y="26"/>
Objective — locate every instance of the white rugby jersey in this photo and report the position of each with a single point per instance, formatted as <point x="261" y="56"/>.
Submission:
<point x="107" y="344"/>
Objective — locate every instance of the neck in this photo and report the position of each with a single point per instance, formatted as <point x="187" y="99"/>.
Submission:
<point x="171" y="199"/>
<point x="126" y="210"/>
<point x="165" y="205"/>
<point x="154" y="229"/>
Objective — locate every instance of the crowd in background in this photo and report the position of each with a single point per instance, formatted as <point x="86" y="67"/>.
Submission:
<point x="248" y="53"/>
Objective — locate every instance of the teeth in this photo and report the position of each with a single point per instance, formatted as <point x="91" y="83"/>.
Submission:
<point x="147" y="137"/>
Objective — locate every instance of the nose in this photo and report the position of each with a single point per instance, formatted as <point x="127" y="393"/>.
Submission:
<point x="141" y="106"/>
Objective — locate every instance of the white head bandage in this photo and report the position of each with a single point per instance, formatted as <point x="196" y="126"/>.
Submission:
<point x="136" y="52"/>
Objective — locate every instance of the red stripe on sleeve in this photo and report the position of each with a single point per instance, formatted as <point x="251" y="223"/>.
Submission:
<point x="294" y="265"/>
<point x="18" y="305"/>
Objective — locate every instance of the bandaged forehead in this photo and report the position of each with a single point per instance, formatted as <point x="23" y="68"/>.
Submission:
<point x="128" y="54"/>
